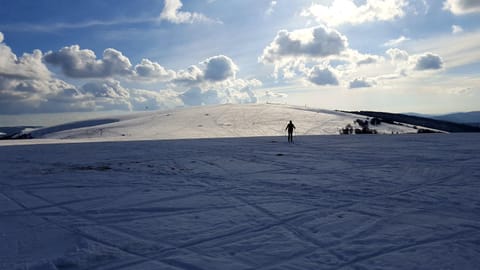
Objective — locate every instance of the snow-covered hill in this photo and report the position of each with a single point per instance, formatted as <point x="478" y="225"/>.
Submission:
<point x="212" y="122"/>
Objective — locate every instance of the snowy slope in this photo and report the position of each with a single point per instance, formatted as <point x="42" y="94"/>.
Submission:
<point x="327" y="202"/>
<point x="212" y="122"/>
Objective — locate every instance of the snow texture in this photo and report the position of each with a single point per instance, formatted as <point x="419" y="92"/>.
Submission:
<point x="325" y="202"/>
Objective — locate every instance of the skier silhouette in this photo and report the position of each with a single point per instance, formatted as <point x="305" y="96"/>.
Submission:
<point x="290" y="127"/>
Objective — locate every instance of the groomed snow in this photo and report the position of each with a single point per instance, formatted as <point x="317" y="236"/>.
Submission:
<point x="327" y="202"/>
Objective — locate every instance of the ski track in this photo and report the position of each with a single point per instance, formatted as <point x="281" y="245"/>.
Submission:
<point x="251" y="203"/>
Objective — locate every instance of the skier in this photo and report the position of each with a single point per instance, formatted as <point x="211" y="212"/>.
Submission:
<point x="290" y="127"/>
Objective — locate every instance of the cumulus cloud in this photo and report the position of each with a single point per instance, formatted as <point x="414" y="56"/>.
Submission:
<point x="83" y="63"/>
<point x="153" y="71"/>
<point x="230" y="91"/>
<point x="28" y="95"/>
<point x="171" y="13"/>
<point x="214" y="69"/>
<point x="348" y="12"/>
<point x="1" y="37"/>
<point x="26" y="84"/>
<point x="428" y="61"/>
<point x="195" y="97"/>
<point x="219" y="68"/>
<point x="314" y="42"/>
<point x="322" y="76"/>
<point x="190" y="76"/>
<point x="461" y="7"/>
<point x="406" y="63"/>
<point x="106" y="89"/>
<point x="26" y="66"/>
<point x="360" y="83"/>
<point x="317" y="55"/>
<point x="397" y="55"/>
<point x="108" y="95"/>
<point x="141" y="99"/>
<point x="241" y="90"/>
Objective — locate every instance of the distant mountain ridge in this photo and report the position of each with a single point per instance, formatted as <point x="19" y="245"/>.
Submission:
<point x="470" y="118"/>
<point x="428" y="122"/>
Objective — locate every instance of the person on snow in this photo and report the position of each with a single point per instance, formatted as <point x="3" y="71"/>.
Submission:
<point x="290" y="127"/>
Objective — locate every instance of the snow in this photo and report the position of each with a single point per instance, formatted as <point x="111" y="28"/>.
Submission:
<point x="326" y="202"/>
<point x="212" y="122"/>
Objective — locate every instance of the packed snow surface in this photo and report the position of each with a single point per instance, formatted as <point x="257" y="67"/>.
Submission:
<point x="220" y="188"/>
<point x="325" y="202"/>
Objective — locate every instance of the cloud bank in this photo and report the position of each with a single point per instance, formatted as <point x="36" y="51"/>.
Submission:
<point x="27" y="85"/>
<point x="321" y="56"/>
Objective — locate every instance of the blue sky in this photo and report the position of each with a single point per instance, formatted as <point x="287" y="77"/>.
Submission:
<point x="393" y="55"/>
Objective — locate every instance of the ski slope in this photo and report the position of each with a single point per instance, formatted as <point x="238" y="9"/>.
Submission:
<point x="228" y="120"/>
<point x="326" y="202"/>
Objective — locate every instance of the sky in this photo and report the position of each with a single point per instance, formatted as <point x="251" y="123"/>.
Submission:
<point x="64" y="56"/>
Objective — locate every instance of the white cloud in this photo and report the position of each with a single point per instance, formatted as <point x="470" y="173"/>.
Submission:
<point x="231" y="91"/>
<point x="396" y="42"/>
<point x="313" y="42"/>
<point x="271" y="8"/>
<point x="153" y="71"/>
<point x="322" y="76"/>
<point x="108" y="95"/>
<point x="428" y="61"/>
<point x="28" y="95"/>
<point x="461" y="7"/>
<point x="406" y="64"/>
<point x="457" y="29"/>
<point x="26" y="84"/>
<point x="348" y="12"/>
<point x="141" y="99"/>
<point x="397" y="55"/>
<point x="106" y="89"/>
<point x="83" y="63"/>
<point x="219" y="68"/>
<point x="191" y="76"/>
<point x="171" y="13"/>
<point x="28" y="66"/>
<point x="213" y="70"/>
<point x="1" y="37"/>
<point x="196" y="96"/>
